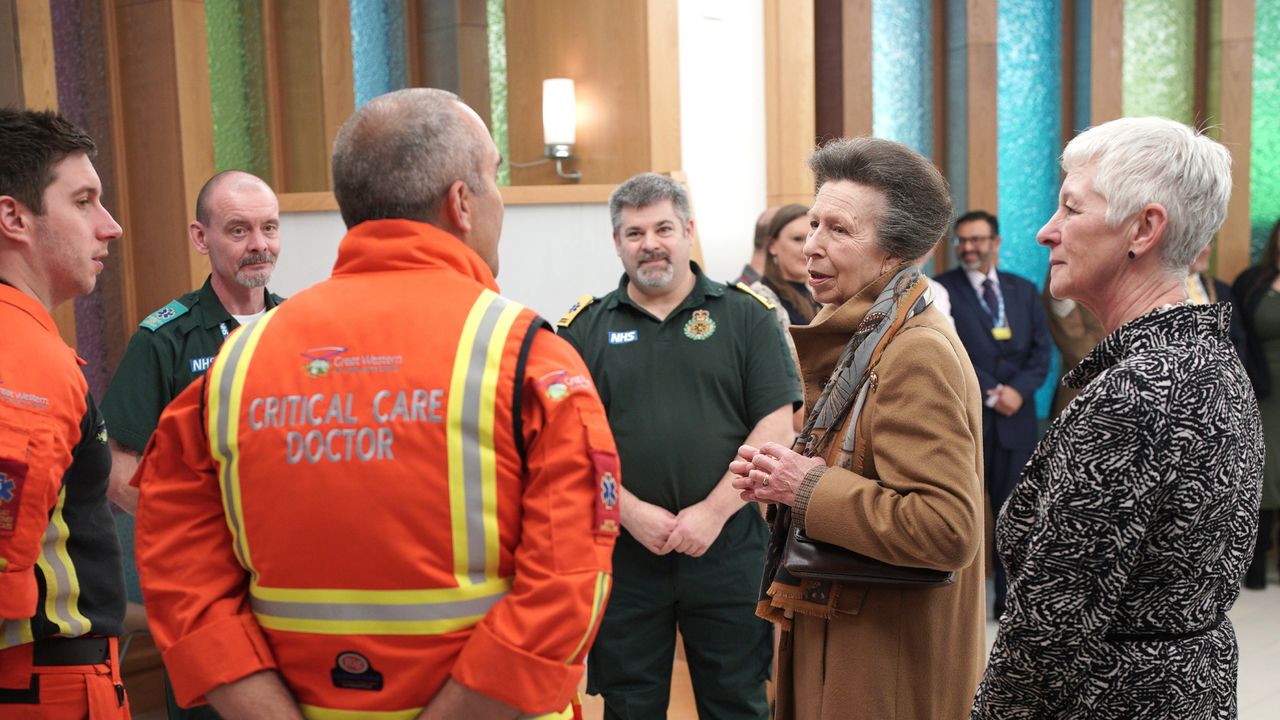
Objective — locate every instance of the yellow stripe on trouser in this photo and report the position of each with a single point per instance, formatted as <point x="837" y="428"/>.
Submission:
<point x="227" y="386"/>
<point x="62" y="586"/>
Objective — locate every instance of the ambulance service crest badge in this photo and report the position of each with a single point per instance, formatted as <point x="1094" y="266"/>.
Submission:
<point x="700" y="326"/>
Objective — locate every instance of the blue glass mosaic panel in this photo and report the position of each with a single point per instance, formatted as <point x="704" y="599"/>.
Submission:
<point x="902" y="72"/>
<point x="958" y="103"/>
<point x="377" y="48"/>
<point x="1029" y="116"/>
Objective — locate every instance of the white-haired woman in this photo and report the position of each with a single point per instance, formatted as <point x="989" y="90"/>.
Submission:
<point x="1126" y="538"/>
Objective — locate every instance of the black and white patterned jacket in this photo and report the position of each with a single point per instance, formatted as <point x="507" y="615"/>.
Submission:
<point x="1128" y="533"/>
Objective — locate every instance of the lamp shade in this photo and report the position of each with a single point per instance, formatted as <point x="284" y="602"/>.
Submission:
<point x="559" y="118"/>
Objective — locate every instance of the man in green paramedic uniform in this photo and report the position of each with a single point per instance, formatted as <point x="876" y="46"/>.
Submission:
<point x="688" y="370"/>
<point x="238" y="226"/>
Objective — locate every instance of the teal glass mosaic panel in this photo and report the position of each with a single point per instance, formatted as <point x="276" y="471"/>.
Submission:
<point x="1082" y="66"/>
<point x="958" y="103"/>
<point x="498" y="83"/>
<point x="237" y="84"/>
<point x="377" y="48"/>
<point x="1264" y="164"/>
<point x="902" y="72"/>
<point x="1029" y="139"/>
<point x="1159" y="58"/>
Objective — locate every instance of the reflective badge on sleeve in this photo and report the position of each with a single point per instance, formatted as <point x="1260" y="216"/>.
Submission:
<point x="608" y="518"/>
<point x="12" y="475"/>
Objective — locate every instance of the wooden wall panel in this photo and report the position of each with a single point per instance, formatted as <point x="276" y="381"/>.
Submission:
<point x="450" y="49"/>
<point x="28" y="80"/>
<point x="1106" y="86"/>
<point x="789" y="99"/>
<point x="169" y="147"/>
<point x="628" y="100"/>
<point x="983" y="156"/>
<point x="1235" y="119"/>
<point x="855" y="24"/>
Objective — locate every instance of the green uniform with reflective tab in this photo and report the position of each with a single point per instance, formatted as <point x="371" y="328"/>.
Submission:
<point x="681" y="395"/>
<point x="172" y="347"/>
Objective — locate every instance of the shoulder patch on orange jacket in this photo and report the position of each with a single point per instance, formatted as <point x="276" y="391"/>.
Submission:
<point x="608" y="517"/>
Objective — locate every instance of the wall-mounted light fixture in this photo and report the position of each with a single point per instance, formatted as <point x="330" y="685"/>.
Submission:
<point x="559" y="126"/>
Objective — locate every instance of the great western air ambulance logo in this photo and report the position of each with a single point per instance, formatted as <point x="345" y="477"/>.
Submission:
<point x="318" y="360"/>
<point x="700" y="326"/>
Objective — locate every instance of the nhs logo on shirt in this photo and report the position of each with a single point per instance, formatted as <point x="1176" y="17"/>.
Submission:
<point x="199" y="365"/>
<point x="622" y="337"/>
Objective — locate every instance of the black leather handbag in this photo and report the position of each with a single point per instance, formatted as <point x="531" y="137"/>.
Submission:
<point x="810" y="559"/>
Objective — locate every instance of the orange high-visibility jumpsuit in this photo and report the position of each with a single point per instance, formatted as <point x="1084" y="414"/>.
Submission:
<point x="62" y="593"/>
<point x="395" y="478"/>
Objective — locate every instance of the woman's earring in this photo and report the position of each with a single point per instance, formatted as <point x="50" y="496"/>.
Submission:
<point x="1132" y="255"/>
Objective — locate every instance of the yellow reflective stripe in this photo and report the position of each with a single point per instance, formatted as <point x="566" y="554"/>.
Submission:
<point x="473" y="476"/>
<point x="565" y="714"/>
<point x="488" y="454"/>
<point x="314" y="712"/>
<point x="367" y="627"/>
<point x="15" y="632"/>
<point x="380" y="597"/>
<point x="62" y="586"/>
<point x="454" y="435"/>
<point x="603" y="581"/>
<point x="227" y="378"/>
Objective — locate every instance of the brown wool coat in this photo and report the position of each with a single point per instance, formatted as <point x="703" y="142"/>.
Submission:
<point x="892" y="654"/>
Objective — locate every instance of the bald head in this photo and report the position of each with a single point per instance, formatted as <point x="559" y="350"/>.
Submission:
<point x="397" y="156"/>
<point x="227" y="179"/>
<point x="762" y="227"/>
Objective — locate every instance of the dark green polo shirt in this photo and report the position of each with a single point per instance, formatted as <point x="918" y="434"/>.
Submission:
<point x="683" y="393"/>
<point x="173" y="346"/>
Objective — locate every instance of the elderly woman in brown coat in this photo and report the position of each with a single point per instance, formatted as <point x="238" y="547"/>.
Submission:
<point x="889" y="465"/>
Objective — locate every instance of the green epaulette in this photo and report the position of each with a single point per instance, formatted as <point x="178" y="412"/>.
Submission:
<point x="571" y="313"/>
<point x="166" y="314"/>
<point x="747" y="289"/>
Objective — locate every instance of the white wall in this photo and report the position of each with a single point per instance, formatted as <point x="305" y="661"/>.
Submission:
<point x="549" y="255"/>
<point x="552" y="254"/>
<point x="722" y="124"/>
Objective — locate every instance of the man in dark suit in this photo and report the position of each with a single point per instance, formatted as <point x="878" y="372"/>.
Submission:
<point x="1001" y="322"/>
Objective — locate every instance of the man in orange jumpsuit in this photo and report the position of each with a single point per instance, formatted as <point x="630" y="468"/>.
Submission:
<point x="61" y="581"/>
<point x="395" y="495"/>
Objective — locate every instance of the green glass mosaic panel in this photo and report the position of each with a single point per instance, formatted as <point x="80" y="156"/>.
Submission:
<point x="238" y="86"/>
<point x="498" y="83"/>
<point x="1159" y="58"/>
<point x="1264" y="165"/>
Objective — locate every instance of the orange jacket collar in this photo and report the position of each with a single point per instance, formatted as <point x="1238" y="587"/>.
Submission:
<point x="32" y="307"/>
<point x="382" y="245"/>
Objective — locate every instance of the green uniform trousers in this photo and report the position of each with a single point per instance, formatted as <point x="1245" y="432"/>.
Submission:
<point x="712" y="600"/>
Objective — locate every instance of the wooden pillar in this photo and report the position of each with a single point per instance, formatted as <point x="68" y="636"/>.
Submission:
<point x="451" y="50"/>
<point x="1106" y="86"/>
<point x="28" y="80"/>
<point x="855" y="24"/>
<point x="981" y="58"/>
<point x="166" y="135"/>
<point x="627" y="82"/>
<point x="1235" y="118"/>
<point x="789" y="100"/>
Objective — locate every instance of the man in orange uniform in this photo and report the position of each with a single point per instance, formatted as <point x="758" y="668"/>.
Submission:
<point x="61" y="580"/>
<point x="394" y="496"/>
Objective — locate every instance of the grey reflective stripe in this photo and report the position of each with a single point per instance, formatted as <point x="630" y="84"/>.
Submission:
<point x="367" y="611"/>
<point x="13" y="634"/>
<point x="222" y="422"/>
<point x="49" y="553"/>
<point x="472" y="474"/>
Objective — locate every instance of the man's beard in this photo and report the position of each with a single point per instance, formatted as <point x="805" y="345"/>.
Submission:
<point x="654" y="279"/>
<point x="259" y="278"/>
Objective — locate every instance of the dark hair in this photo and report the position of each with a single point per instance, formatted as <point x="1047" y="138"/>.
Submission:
<point x="31" y="144"/>
<point x="917" y="203"/>
<point x="1266" y="263"/>
<point x="979" y="215"/>
<point x="802" y="302"/>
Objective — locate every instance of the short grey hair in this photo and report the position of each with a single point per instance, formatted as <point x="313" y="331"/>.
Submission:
<point x="396" y="157"/>
<point x="1156" y="160"/>
<point x="648" y="189"/>
<point x="917" y="207"/>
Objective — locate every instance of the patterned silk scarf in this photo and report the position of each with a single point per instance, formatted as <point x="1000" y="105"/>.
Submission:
<point x="841" y="401"/>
